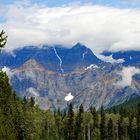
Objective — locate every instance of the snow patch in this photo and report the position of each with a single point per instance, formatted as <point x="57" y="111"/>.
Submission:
<point x="69" y="97"/>
<point x="92" y="66"/>
<point x="7" y="70"/>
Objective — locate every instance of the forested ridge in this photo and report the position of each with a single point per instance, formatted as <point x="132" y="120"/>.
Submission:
<point x="130" y="106"/>
<point x="21" y="119"/>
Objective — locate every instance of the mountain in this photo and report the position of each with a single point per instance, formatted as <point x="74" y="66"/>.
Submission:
<point x="89" y="87"/>
<point x="55" y="58"/>
<point x="50" y="73"/>
<point x="131" y="58"/>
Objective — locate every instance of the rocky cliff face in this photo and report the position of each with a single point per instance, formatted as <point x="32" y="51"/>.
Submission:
<point x="91" y="87"/>
<point x="49" y="74"/>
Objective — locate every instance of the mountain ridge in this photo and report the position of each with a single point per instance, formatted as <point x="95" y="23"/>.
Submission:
<point x="54" y="58"/>
<point x="49" y="74"/>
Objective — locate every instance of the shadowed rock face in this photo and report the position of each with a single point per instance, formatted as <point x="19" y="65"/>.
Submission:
<point x="54" y="58"/>
<point x="92" y="82"/>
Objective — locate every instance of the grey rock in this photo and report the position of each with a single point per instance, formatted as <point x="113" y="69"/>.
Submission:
<point x="91" y="87"/>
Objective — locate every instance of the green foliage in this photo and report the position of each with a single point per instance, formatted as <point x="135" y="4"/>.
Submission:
<point x="69" y="124"/>
<point x="126" y="107"/>
<point x="138" y="122"/>
<point x="95" y="117"/>
<point x="3" y="39"/>
<point x="110" y="129"/>
<point x="79" y="124"/>
<point x="103" y="125"/>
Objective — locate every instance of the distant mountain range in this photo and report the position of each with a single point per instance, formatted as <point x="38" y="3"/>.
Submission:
<point x="49" y="73"/>
<point x="131" y="58"/>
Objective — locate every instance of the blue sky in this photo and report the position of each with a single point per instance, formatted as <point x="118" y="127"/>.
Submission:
<point x="54" y="3"/>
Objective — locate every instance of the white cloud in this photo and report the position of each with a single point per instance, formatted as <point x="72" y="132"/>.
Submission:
<point x="110" y="59"/>
<point x="69" y="97"/>
<point x="127" y="74"/>
<point x="98" y="27"/>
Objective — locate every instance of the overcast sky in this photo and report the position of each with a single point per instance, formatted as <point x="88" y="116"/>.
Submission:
<point x="100" y="24"/>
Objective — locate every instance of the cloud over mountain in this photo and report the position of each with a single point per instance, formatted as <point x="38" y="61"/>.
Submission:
<point x="127" y="74"/>
<point x="98" y="27"/>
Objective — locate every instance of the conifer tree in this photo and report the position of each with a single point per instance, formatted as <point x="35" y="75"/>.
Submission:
<point x="10" y="108"/>
<point x="130" y="129"/>
<point x="110" y="130"/>
<point x="24" y="103"/>
<point x="6" y="109"/>
<point x="138" y="121"/>
<point x="59" y="124"/>
<point x="95" y="117"/>
<point x="102" y="125"/>
<point x="3" y="39"/>
<point x="32" y="102"/>
<point x="121" y="130"/>
<point x="78" y="124"/>
<point x="95" y="132"/>
<point x="114" y="110"/>
<point x="69" y="124"/>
